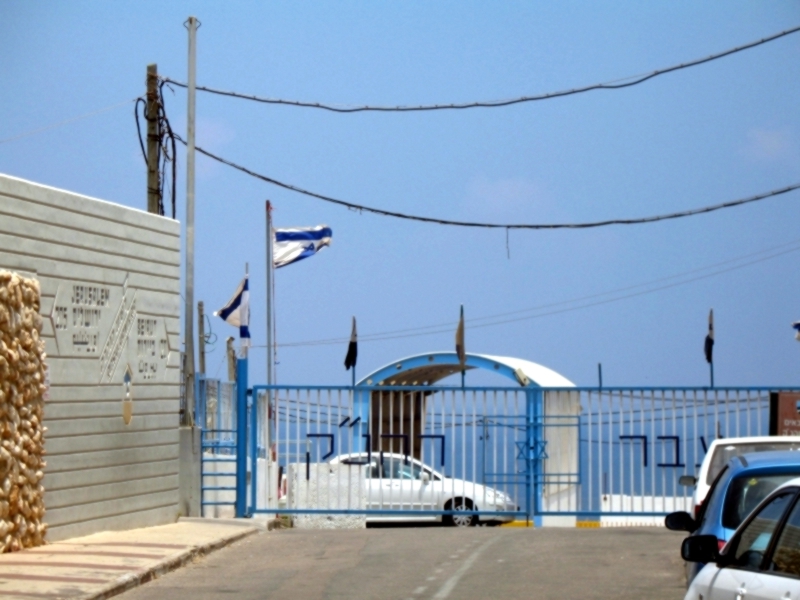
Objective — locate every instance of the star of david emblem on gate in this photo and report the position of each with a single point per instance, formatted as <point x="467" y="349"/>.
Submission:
<point x="539" y="450"/>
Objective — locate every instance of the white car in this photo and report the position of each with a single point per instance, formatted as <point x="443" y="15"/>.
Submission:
<point x="404" y="483"/>
<point x="762" y="559"/>
<point x="721" y="451"/>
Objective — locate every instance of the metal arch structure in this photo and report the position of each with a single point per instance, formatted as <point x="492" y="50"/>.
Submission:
<point x="419" y="375"/>
<point x="431" y="367"/>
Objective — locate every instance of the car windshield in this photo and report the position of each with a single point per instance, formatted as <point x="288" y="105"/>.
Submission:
<point x="744" y="494"/>
<point x="724" y="452"/>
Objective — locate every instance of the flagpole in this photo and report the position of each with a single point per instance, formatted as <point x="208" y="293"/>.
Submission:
<point x="463" y="370"/>
<point x="270" y="268"/>
<point x="711" y="369"/>
<point x="709" y="346"/>
<point x="268" y="425"/>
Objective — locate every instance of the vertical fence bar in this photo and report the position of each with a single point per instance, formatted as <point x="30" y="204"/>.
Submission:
<point x="589" y="452"/>
<point x="760" y="431"/>
<point x="452" y="428"/>
<point x="611" y="442"/>
<point x="462" y="396"/>
<point x="600" y="451"/>
<point x="474" y="477"/>
<point x="301" y="449"/>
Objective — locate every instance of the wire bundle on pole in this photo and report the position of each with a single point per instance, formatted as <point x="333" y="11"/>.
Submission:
<point x="167" y="150"/>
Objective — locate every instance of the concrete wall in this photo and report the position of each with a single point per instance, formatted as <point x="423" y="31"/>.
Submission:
<point x="109" y="278"/>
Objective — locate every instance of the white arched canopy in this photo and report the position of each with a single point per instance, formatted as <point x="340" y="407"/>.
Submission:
<point x="431" y="367"/>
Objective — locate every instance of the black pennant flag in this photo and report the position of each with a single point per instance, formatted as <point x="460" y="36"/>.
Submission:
<point x="709" y="346"/>
<point x="352" y="349"/>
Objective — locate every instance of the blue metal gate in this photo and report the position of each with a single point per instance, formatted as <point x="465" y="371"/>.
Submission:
<point x="435" y="452"/>
<point x="410" y="452"/>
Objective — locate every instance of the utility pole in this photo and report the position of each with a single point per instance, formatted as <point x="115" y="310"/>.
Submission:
<point x="188" y="332"/>
<point x="153" y="137"/>
<point x="201" y="337"/>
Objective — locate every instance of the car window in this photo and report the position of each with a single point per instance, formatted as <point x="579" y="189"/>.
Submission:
<point x="724" y="452"/>
<point x="786" y="558"/>
<point x="713" y="491"/>
<point x="745" y="493"/>
<point x="753" y="541"/>
<point x="396" y="468"/>
<point x="374" y="471"/>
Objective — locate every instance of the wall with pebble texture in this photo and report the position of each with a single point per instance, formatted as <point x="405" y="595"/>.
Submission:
<point x="22" y="389"/>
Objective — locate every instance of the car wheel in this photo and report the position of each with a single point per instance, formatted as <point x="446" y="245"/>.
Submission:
<point x="457" y="505"/>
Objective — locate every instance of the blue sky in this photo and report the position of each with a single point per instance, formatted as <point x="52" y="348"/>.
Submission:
<point x="717" y="132"/>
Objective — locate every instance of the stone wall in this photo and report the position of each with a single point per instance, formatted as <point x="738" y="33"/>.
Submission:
<point x="22" y="389"/>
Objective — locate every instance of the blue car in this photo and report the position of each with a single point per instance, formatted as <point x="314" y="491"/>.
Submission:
<point x="739" y="487"/>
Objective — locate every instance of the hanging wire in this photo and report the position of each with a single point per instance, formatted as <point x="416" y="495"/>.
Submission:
<point x="210" y="338"/>
<point x="167" y="145"/>
<point x="616" y="84"/>
<point x="143" y="102"/>
<point x="436" y="221"/>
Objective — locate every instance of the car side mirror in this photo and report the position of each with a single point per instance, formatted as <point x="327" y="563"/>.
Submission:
<point x="700" y="549"/>
<point x="687" y="480"/>
<point x="680" y="521"/>
<point x="424" y="477"/>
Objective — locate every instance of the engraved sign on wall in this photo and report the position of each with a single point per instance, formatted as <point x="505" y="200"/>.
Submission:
<point x="101" y="321"/>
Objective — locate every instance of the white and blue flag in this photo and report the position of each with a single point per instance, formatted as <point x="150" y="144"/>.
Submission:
<point x="298" y="243"/>
<point x="237" y="311"/>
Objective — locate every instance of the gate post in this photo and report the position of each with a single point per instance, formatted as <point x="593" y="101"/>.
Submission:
<point x="534" y="440"/>
<point x="241" y="438"/>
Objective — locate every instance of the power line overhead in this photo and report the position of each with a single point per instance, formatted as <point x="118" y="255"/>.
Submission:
<point x="436" y="221"/>
<point x="616" y="84"/>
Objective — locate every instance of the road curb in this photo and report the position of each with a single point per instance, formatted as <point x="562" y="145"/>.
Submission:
<point x="131" y="580"/>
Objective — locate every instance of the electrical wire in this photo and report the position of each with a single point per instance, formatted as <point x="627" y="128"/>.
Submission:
<point x="495" y="320"/>
<point x="411" y="217"/>
<point x="166" y="149"/>
<point x="210" y="338"/>
<point x="610" y="85"/>
<point x="67" y="122"/>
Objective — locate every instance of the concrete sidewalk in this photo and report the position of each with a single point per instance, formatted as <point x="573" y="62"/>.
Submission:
<point x="108" y="563"/>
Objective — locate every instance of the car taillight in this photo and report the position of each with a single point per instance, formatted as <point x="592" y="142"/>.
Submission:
<point x="697" y="508"/>
<point x="721" y="544"/>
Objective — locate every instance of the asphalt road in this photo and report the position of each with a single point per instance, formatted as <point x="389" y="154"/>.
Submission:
<point x="424" y="563"/>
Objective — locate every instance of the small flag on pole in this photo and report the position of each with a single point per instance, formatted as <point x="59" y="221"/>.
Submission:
<point x="237" y="312"/>
<point x="709" y="345"/>
<point x="352" y="349"/>
<point x="796" y="327"/>
<point x="291" y="245"/>
<point x="461" y="351"/>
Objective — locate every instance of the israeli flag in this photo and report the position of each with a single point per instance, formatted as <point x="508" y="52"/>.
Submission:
<point x="297" y="243"/>
<point x="237" y="311"/>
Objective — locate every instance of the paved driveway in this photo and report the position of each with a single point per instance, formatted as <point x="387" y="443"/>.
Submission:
<point x="477" y="563"/>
